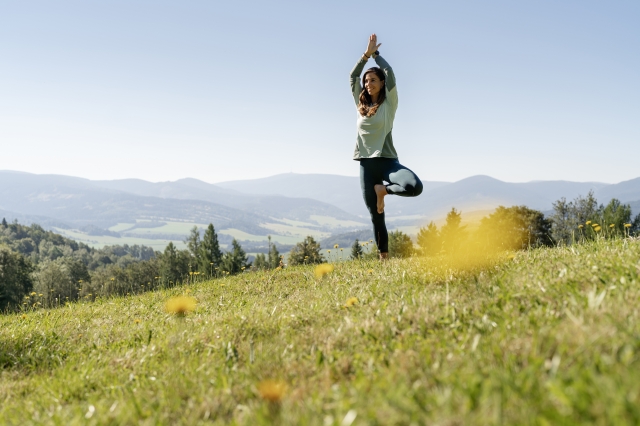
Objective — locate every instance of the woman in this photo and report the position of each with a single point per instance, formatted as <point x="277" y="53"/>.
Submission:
<point x="377" y="101"/>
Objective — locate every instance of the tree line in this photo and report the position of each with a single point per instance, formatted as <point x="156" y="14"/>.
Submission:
<point x="42" y="268"/>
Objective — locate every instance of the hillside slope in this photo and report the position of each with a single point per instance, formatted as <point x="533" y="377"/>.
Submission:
<point x="549" y="337"/>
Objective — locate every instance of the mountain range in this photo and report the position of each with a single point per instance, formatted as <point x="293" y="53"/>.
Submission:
<point x="286" y="206"/>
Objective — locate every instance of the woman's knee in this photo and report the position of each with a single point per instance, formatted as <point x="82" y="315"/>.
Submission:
<point x="417" y="188"/>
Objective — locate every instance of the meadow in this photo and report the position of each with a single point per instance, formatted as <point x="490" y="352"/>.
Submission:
<point x="544" y="336"/>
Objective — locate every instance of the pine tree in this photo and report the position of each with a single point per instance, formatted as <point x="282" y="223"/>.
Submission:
<point x="452" y="234"/>
<point x="4" y="223"/>
<point x="210" y="254"/>
<point x="260" y="262"/>
<point x="234" y="261"/>
<point x="274" y="255"/>
<point x="170" y="270"/>
<point x="429" y="240"/>
<point x="356" y="250"/>
<point x="193" y="245"/>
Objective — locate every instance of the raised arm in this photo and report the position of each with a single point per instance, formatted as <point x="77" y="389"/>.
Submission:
<point x="354" y="78"/>
<point x="390" y="77"/>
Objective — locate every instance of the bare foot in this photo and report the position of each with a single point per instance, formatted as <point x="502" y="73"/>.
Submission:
<point x="384" y="256"/>
<point x="381" y="191"/>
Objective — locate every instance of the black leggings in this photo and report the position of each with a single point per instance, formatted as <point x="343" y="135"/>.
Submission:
<point x="401" y="181"/>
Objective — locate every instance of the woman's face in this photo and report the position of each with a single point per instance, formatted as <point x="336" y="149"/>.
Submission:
<point x="373" y="84"/>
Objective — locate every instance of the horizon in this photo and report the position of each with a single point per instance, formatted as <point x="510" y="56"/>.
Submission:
<point x="296" y="173"/>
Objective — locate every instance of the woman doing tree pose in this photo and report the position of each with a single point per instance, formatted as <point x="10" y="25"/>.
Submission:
<point x="377" y="101"/>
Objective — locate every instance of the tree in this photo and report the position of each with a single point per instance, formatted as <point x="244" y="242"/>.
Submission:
<point x="356" y="250"/>
<point x="617" y="214"/>
<point x="400" y="244"/>
<point x="210" y="254"/>
<point x="452" y="234"/>
<point x="274" y="255"/>
<point x="260" y="262"/>
<point x="4" y="223"/>
<point x="234" y="261"/>
<point x="15" y="278"/>
<point x="60" y="280"/>
<point x="174" y="264"/>
<point x="429" y="240"/>
<point x="306" y="252"/>
<point x="193" y="245"/>
<point x="514" y="228"/>
<point x="562" y="221"/>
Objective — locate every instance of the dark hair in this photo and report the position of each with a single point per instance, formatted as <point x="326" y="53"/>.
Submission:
<point x="364" y="106"/>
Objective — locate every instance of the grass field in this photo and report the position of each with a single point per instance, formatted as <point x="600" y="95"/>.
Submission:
<point x="543" y="337"/>
<point x="99" y="241"/>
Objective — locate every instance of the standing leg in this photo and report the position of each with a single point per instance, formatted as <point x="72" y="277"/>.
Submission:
<point x="370" y="177"/>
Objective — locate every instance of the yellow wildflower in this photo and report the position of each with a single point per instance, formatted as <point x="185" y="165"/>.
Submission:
<point x="33" y="293"/>
<point x="137" y="321"/>
<point x="612" y="225"/>
<point x="594" y="225"/>
<point x="597" y="228"/>
<point x="180" y="305"/>
<point x="328" y="251"/>
<point x="24" y="316"/>
<point x="272" y="390"/>
<point x="627" y="225"/>
<point x="580" y="226"/>
<point x="335" y="246"/>
<point x="351" y="301"/>
<point x="588" y="222"/>
<point x="323" y="269"/>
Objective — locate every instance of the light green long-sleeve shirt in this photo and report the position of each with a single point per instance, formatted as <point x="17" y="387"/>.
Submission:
<point x="374" y="133"/>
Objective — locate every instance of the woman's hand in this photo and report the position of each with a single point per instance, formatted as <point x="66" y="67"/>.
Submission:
<point x="373" y="45"/>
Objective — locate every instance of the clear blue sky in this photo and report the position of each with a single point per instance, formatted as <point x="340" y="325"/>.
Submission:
<point x="519" y="90"/>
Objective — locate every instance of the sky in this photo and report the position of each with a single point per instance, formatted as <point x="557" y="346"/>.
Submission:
<point x="229" y="90"/>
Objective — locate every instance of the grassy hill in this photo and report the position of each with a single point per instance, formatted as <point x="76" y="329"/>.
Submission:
<point x="548" y="336"/>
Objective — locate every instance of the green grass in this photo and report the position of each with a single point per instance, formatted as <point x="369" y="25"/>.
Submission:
<point x="548" y="337"/>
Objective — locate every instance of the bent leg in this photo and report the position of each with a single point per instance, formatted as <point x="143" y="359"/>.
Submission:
<point x="402" y="181"/>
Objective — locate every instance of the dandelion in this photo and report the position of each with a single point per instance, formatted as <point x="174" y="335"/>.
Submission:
<point x="24" y="316"/>
<point x="627" y="225"/>
<point x="180" y="305"/>
<point x="588" y="222"/>
<point x="33" y="293"/>
<point x="580" y="226"/>
<point x="271" y="390"/>
<point x="594" y="225"/>
<point x="612" y="225"/>
<point x="335" y="246"/>
<point x="137" y="321"/>
<point x="323" y="269"/>
<point x="40" y="295"/>
<point x="341" y="249"/>
<point x="370" y="271"/>
<point x="351" y="301"/>
<point x="328" y="251"/>
<point x="597" y="228"/>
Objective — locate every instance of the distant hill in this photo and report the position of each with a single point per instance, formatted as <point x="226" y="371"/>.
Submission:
<point x="341" y="191"/>
<point x="470" y="194"/>
<point x="286" y="206"/>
